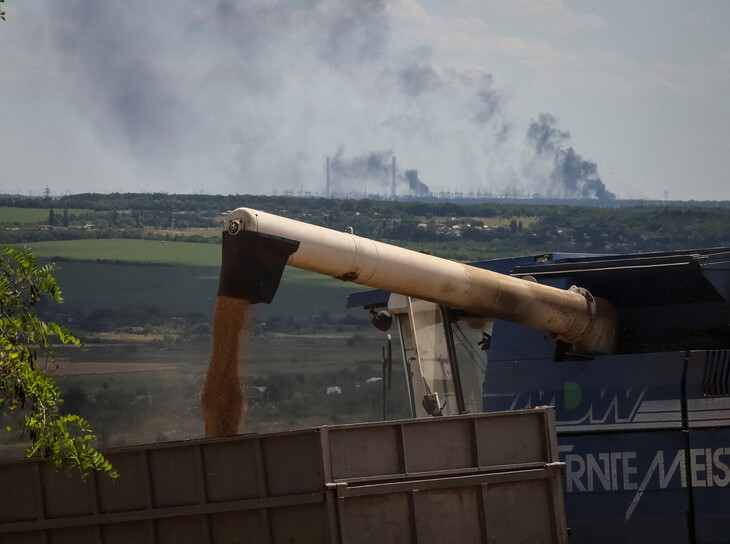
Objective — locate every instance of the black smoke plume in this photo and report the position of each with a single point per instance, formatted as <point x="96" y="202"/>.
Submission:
<point x="570" y="176"/>
<point x="416" y="186"/>
<point x="546" y="138"/>
<point x="579" y="177"/>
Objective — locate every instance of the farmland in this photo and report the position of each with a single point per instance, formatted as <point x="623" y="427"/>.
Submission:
<point x="185" y="288"/>
<point x="144" y="251"/>
<point x="143" y="309"/>
<point x="139" y="274"/>
<point x="12" y="215"/>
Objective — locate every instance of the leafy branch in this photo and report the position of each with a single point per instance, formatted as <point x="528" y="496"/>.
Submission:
<point x="64" y="439"/>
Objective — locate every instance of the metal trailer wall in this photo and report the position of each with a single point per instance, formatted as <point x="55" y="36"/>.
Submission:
<point x="477" y="478"/>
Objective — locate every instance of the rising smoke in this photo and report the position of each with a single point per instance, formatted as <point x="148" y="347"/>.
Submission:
<point x="116" y="80"/>
<point x="417" y="79"/>
<point x="568" y="174"/>
<point x="251" y="95"/>
<point x="374" y="172"/>
<point x="416" y="186"/>
<point x="351" y="175"/>
<point x="357" y="32"/>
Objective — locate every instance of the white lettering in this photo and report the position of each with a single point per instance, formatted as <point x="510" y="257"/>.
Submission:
<point x="615" y="456"/>
<point x="628" y="471"/>
<point x="603" y="474"/>
<point x="708" y="457"/>
<point x="665" y="478"/>
<point x="573" y="476"/>
<point x="721" y="481"/>
<point x="697" y="467"/>
<point x="658" y="461"/>
<point x="618" y="471"/>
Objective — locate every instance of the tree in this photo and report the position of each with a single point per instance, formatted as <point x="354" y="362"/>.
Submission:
<point x="64" y="439"/>
<point x="65" y="221"/>
<point x="2" y="13"/>
<point x="52" y="218"/>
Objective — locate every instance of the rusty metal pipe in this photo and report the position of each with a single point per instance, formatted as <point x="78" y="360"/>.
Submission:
<point x="574" y="315"/>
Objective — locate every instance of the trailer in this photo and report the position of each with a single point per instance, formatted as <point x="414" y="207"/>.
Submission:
<point x="473" y="478"/>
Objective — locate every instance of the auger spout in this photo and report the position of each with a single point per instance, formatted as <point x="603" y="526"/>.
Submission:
<point x="256" y="245"/>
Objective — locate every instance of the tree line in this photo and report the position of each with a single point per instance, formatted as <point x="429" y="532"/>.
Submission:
<point x="454" y="230"/>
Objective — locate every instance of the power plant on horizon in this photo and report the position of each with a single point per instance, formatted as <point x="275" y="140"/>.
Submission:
<point x="393" y="191"/>
<point x="367" y="176"/>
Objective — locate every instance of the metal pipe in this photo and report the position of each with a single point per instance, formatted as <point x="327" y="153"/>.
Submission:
<point x="573" y="315"/>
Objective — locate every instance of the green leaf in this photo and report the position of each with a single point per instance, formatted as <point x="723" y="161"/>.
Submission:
<point x="63" y="439"/>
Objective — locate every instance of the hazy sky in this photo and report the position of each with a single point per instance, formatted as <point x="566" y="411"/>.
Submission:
<point x="561" y="98"/>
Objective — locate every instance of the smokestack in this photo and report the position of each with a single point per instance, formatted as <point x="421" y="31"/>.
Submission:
<point x="392" y="187"/>
<point x="327" y="191"/>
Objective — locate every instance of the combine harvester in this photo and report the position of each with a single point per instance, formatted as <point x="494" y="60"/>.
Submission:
<point x="630" y="352"/>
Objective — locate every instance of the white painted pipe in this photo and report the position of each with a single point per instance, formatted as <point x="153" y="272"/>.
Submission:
<point x="573" y="315"/>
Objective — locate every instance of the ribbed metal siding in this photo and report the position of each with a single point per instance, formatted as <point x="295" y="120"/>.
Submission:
<point x="486" y="477"/>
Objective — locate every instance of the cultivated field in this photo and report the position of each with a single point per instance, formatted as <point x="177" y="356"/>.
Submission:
<point x="68" y="368"/>
<point x="33" y="215"/>
<point x="143" y="307"/>
<point x="141" y="251"/>
<point x="185" y="288"/>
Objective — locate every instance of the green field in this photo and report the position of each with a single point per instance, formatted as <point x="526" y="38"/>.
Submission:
<point x="146" y="251"/>
<point x="181" y="277"/>
<point x="125" y="287"/>
<point x="300" y="356"/>
<point x="33" y="215"/>
<point x="184" y="288"/>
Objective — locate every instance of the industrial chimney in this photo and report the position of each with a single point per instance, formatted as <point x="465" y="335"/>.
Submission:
<point x="327" y="190"/>
<point x="392" y="187"/>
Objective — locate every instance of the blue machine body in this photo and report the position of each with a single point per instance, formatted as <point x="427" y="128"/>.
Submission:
<point x="644" y="432"/>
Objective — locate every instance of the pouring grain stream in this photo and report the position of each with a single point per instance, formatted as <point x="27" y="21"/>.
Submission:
<point x="222" y="398"/>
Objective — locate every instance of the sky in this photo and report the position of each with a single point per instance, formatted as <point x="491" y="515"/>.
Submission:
<point x="558" y="98"/>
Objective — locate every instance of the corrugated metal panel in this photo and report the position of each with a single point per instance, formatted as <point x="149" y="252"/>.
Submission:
<point x="486" y="477"/>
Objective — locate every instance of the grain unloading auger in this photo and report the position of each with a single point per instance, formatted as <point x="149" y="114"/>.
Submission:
<point x="257" y="246"/>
